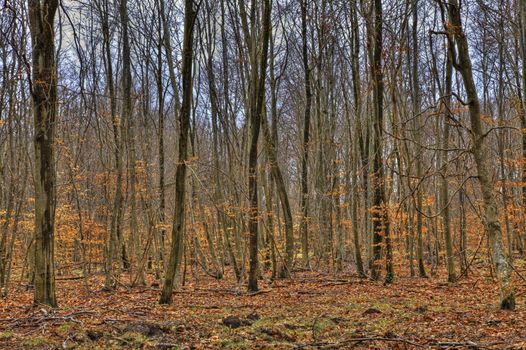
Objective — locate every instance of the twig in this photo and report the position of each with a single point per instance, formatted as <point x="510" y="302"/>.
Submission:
<point x="32" y="320"/>
<point x="471" y="344"/>
<point x="259" y="292"/>
<point x="320" y="345"/>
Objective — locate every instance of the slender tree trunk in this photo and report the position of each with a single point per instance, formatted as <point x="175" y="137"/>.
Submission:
<point x="178" y="229"/>
<point x="167" y="43"/>
<point x="304" y="200"/>
<point x="215" y="111"/>
<point x="128" y="119"/>
<point x="444" y="189"/>
<point x="160" y="151"/>
<point x="276" y="172"/>
<point x="357" y="142"/>
<point x="256" y="114"/>
<point x="418" y="141"/>
<point x="522" y="21"/>
<point x="115" y="229"/>
<point x="277" y="176"/>
<point x="501" y="136"/>
<point x="380" y="214"/>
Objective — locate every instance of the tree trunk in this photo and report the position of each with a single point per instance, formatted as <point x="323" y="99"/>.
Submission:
<point x="522" y="10"/>
<point x="357" y="142"/>
<point x="418" y="141"/>
<point x="257" y="99"/>
<point x="44" y="93"/>
<point x="283" y="197"/>
<point x="304" y="200"/>
<point x="380" y="214"/>
<point x="444" y="189"/>
<point x="115" y="229"/>
<point x="160" y="151"/>
<point x="178" y="229"/>
<point x="128" y="119"/>
<point x="456" y="33"/>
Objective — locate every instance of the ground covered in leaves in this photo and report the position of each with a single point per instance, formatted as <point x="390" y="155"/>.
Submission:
<point x="311" y="311"/>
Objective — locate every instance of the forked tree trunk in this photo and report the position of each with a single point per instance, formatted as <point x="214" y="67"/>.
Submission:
<point x="456" y="33"/>
<point x="257" y="99"/>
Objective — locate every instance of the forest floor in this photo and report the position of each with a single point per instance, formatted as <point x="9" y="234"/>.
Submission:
<point x="311" y="311"/>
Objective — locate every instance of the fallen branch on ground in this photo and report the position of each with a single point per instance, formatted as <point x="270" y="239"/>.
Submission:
<point x="466" y="344"/>
<point x="321" y="345"/>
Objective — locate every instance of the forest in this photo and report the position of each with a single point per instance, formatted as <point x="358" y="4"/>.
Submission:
<point x="263" y="174"/>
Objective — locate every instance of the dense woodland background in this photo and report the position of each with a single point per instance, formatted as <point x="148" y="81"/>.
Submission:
<point x="152" y="141"/>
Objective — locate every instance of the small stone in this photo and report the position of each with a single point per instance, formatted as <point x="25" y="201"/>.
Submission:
<point x="94" y="335"/>
<point x="371" y="311"/>
<point x="180" y="328"/>
<point x="389" y="335"/>
<point x="253" y="316"/>
<point x="290" y="326"/>
<point x="421" y="309"/>
<point x="148" y="329"/>
<point x="232" y="321"/>
<point x="276" y="334"/>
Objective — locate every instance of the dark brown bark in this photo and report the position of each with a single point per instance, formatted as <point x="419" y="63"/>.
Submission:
<point x="44" y="93"/>
<point x="178" y="229"/>
<point x="380" y="216"/>
<point x="304" y="200"/>
<point x="256" y="113"/>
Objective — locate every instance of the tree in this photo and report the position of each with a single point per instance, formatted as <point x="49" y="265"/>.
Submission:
<point x="418" y="138"/>
<point x="444" y="189"/>
<point x="256" y="100"/>
<point x="304" y="200"/>
<point x="462" y="63"/>
<point x="115" y="236"/>
<point x="380" y="215"/>
<point x="522" y="40"/>
<point x="178" y="229"/>
<point x="44" y="94"/>
<point x="357" y="143"/>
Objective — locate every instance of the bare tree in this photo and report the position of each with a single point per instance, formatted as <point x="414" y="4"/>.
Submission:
<point x="462" y="63"/>
<point x="304" y="200"/>
<point x="178" y="229"/>
<point x="256" y="100"/>
<point x="41" y="17"/>
<point x="380" y="213"/>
